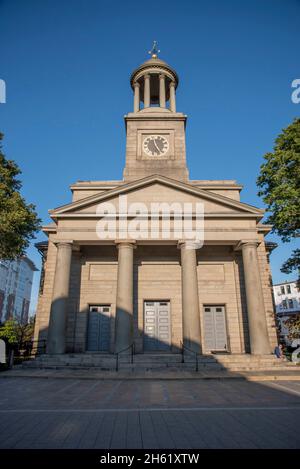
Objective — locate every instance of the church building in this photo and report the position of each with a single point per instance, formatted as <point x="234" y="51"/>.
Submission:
<point x="155" y="291"/>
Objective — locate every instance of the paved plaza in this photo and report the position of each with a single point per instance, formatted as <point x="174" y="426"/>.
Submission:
<point x="86" y="413"/>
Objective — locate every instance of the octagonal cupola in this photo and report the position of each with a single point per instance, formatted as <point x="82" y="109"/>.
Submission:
<point x="154" y="84"/>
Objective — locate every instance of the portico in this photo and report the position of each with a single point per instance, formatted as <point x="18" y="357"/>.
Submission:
<point x="126" y="275"/>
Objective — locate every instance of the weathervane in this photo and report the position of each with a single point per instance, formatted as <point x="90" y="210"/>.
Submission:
<point x="154" y="51"/>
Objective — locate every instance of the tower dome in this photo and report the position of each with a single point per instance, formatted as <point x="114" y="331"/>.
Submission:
<point x="154" y="83"/>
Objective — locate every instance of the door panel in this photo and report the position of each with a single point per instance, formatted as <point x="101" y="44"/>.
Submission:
<point x="98" y="338"/>
<point x="157" y="326"/>
<point x="215" y="334"/>
<point x="209" y="329"/>
<point x="220" y="328"/>
<point x="93" y="328"/>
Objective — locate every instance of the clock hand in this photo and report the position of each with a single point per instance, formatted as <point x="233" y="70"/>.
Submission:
<point x="158" y="150"/>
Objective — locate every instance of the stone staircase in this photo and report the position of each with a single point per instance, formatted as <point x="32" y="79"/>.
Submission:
<point x="247" y="362"/>
<point x="161" y="362"/>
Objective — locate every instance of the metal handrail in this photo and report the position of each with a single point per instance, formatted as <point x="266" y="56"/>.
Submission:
<point x="184" y="347"/>
<point x="131" y="346"/>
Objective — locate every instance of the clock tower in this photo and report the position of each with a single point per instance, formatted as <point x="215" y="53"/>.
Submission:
<point x="155" y="131"/>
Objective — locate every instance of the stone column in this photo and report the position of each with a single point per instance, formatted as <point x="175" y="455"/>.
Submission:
<point x="172" y="97"/>
<point x="136" y="105"/>
<point x="259" y="339"/>
<point x="147" y="90"/>
<point x="124" y="302"/>
<point x="162" y="90"/>
<point x="58" y="315"/>
<point x="190" y="298"/>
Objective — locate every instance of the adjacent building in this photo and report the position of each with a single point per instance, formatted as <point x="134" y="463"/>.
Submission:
<point x="15" y="289"/>
<point x="156" y="289"/>
<point x="287" y="304"/>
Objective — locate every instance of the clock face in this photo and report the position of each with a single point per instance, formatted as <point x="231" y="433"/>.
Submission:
<point x="155" y="145"/>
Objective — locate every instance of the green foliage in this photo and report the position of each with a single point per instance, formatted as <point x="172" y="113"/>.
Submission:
<point x="279" y="183"/>
<point x="18" y="220"/>
<point x="9" y="331"/>
<point x="292" y="263"/>
<point x="293" y="326"/>
<point x="16" y="333"/>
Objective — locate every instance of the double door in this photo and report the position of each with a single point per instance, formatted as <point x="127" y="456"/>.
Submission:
<point x="157" y="326"/>
<point x="215" y="334"/>
<point x="98" y="337"/>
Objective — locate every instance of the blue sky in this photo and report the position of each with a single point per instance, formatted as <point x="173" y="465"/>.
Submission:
<point x="66" y="64"/>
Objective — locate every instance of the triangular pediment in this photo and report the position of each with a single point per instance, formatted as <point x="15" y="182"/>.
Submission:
<point x="157" y="189"/>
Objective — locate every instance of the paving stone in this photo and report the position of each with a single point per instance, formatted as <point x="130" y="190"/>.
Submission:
<point x="64" y="413"/>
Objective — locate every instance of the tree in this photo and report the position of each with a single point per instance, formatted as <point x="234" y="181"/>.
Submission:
<point x="292" y="263"/>
<point x="18" y="220"/>
<point x="26" y="331"/>
<point x="9" y="331"/>
<point x="293" y="326"/>
<point x="279" y="183"/>
<point x="16" y="333"/>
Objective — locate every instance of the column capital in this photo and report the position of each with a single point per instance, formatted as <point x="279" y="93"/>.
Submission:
<point x="187" y="244"/>
<point x="172" y="83"/>
<point x="246" y="242"/>
<point x="162" y="75"/>
<point x="136" y="84"/>
<point x="146" y="76"/>
<point x="123" y="243"/>
<point x="63" y="243"/>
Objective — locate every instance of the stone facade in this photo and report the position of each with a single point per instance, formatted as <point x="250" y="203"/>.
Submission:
<point x="222" y="289"/>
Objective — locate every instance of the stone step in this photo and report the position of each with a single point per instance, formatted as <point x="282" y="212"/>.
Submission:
<point x="243" y="357"/>
<point x="160" y="361"/>
<point x="254" y="363"/>
<point x="82" y="356"/>
<point x="128" y="367"/>
<point x="162" y="358"/>
<point x="53" y="363"/>
<point x="166" y="369"/>
<point x="159" y="356"/>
